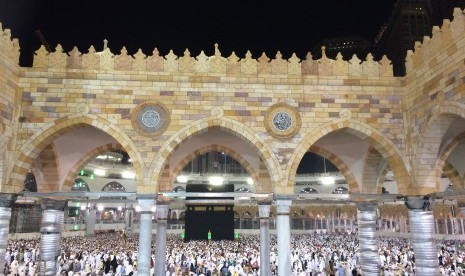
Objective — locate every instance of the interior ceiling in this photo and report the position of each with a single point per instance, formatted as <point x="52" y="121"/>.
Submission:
<point x="456" y="127"/>
<point x="73" y="145"/>
<point x="456" y="158"/>
<point x="349" y="148"/>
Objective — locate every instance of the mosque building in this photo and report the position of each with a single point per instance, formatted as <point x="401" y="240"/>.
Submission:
<point x="111" y="140"/>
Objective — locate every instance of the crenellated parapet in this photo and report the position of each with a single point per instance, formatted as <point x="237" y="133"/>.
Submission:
<point x="216" y="64"/>
<point x="9" y="47"/>
<point x="444" y="37"/>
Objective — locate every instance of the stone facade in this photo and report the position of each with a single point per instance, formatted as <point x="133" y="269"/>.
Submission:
<point x="69" y="105"/>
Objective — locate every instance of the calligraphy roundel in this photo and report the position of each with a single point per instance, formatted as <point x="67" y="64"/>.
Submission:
<point x="150" y="118"/>
<point x="282" y="120"/>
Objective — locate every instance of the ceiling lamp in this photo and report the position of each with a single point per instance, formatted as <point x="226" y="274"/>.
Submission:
<point x="128" y="175"/>
<point x="327" y="180"/>
<point x="99" y="172"/>
<point x="182" y="179"/>
<point x="216" y="180"/>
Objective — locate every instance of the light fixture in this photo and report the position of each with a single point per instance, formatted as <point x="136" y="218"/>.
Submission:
<point x="182" y="178"/>
<point x="249" y="180"/>
<point x="216" y="180"/>
<point x="83" y="207"/>
<point x="327" y="180"/>
<point x="120" y="208"/>
<point x="99" y="172"/>
<point x="154" y="208"/>
<point x="128" y="175"/>
<point x="100" y="208"/>
<point x="138" y="208"/>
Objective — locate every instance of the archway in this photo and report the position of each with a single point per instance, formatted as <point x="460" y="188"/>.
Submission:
<point x="32" y="148"/>
<point x="364" y="132"/>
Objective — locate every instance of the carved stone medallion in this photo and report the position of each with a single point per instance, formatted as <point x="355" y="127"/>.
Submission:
<point x="282" y="120"/>
<point x="150" y="118"/>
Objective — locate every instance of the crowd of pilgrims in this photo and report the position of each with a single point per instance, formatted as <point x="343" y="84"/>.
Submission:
<point x="312" y="254"/>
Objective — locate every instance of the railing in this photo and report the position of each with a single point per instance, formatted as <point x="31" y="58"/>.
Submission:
<point x="28" y="220"/>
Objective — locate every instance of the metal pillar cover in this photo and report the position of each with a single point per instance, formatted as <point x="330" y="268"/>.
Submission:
<point x="51" y="228"/>
<point x="421" y="222"/>
<point x="6" y="201"/>
<point x="368" y="244"/>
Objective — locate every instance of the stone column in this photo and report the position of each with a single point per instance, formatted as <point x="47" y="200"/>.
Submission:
<point x="160" y="238"/>
<point x="283" y="207"/>
<point x="145" y="236"/>
<point x="264" y="212"/>
<point x="90" y="221"/>
<point x="50" y="235"/>
<point x="368" y="246"/>
<point x="129" y="219"/>
<point x="6" y="201"/>
<point x="422" y="227"/>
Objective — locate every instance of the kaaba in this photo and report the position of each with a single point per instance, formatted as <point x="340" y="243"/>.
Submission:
<point x="200" y="219"/>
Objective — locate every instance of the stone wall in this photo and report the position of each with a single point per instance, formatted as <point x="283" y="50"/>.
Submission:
<point x="9" y="106"/>
<point x="436" y="96"/>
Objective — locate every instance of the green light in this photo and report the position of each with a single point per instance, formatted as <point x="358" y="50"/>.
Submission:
<point x="92" y="176"/>
<point x="236" y="235"/>
<point x="209" y="235"/>
<point x="77" y="212"/>
<point x="82" y="172"/>
<point x="183" y="235"/>
<point x="76" y="227"/>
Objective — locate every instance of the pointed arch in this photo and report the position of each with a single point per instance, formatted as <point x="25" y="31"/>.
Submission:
<point x="34" y="145"/>
<point x="234" y="127"/>
<point x="453" y="175"/>
<point x="217" y="147"/>
<point x="365" y="132"/>
<point x="428" y="147"/>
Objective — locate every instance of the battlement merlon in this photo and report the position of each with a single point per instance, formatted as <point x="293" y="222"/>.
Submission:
<point x="215" y="64"/>
<point x="9" y="48"/>
<point x="451" y="35"/>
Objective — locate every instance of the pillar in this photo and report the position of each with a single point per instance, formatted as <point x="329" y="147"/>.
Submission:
<point x="145" y="236"/>
<point x="368" y="246"/>
<point x="422" y="227"/>
<point x="160" y="238"/>
<point x="52" y="226"/>
<point x="90" y="221"/>
<point x="264" y="212"/>
<point x="6" y="201"/>
<point x="129" y="219"/>
<point x="283" y="207"/>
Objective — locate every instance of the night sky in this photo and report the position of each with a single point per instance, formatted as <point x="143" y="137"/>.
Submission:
<point x="291" y="26"/>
